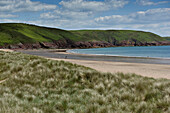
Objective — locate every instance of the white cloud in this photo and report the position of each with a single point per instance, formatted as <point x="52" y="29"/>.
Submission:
<point x="10" y="21"/>
<point x="82" y="9"/>
<point x="7" y="16"/>
<point x="65" y="14"/>
<point x="148" y="2"/>
<point x="155" y="20"/>
<point x="114" y="19"/>
<point x="23" y="5"/>
<point x="142" y="17"/>
<point x="84" y="5"/>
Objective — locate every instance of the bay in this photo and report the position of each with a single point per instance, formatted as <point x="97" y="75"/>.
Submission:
<point x="136" y="51"/>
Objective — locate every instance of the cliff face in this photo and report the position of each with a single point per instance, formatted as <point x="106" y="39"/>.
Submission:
<point x="81" y="44"/>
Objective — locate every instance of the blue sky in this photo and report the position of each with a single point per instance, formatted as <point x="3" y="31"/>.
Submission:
<point x="145" y="15"/>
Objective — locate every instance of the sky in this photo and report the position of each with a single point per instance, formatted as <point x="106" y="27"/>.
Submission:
<point x="144" y="15"/>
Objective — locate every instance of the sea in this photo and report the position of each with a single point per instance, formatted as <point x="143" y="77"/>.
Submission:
<point x="135" y="51"/>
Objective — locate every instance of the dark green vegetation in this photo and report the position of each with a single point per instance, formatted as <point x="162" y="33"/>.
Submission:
<point x="35" y="84"/>
<point x="15" y="33"/>
<point x="167" y="38"/>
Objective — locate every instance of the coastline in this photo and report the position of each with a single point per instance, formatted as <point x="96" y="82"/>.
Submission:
<point x="76" y="51"/>
<point x="147" y="70"/>
<point x="102" y="64"/>
<point x="143" y="69"/>
<point x="119" y="56"/>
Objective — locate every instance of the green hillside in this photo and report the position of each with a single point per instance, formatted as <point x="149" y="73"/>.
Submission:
<point x="30" y="84"/>
<point x="14" y="33"/>
<point x="119" y="35"/>
<point x="24" y="33"/>
<point x="167" y="38"/>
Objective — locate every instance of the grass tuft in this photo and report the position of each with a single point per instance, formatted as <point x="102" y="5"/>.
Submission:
<point x="35" y="84"/>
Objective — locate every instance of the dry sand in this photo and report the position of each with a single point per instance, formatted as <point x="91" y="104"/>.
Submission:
<point x="148" y="70"/>
<point x="6" y="50"/>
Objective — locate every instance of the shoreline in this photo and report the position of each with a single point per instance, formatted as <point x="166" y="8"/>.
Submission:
<point x="146" y="70"/>
<point x="112" y="65"/>
<point x="117" y="56"/>
<point x="64" y="51"/>
<point x="122" y="56"/>
<point x="63" y="54"/>
<point x="102" y="64"/>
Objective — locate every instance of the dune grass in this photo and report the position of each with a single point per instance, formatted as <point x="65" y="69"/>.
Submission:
<point x="38" y="85"/>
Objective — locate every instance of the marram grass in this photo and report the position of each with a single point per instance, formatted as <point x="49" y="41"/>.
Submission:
<point x="38" y="85"/>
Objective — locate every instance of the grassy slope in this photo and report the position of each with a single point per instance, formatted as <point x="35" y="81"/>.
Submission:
<point x="167" y="38"/>
<point x="107" y="35"/>
<point x="24" y="33"/>
<point x="39" y="85"/>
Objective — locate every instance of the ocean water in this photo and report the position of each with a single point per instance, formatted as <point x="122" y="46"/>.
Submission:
<point x="138" y="51"/>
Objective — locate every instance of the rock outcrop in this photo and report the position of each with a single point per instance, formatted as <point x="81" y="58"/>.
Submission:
<point x="66" y="43"/>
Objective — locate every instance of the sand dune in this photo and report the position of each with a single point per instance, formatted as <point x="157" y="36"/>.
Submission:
<point x="144" y="69"/>
<point x="148" y="70"/>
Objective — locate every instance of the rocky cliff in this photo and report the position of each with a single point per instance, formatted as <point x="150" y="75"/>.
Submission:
<point x="81" y="44"/>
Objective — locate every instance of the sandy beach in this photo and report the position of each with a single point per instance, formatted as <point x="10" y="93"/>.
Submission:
<point x="103" y="65"/>
<point x="148" y="67"/>
<point x="148" y="70"/>
<point x="6" y="50"/>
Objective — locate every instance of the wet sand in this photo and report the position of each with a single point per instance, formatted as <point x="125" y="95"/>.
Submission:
<point x="149" y="67"/>
<point x="64" y="55"/>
